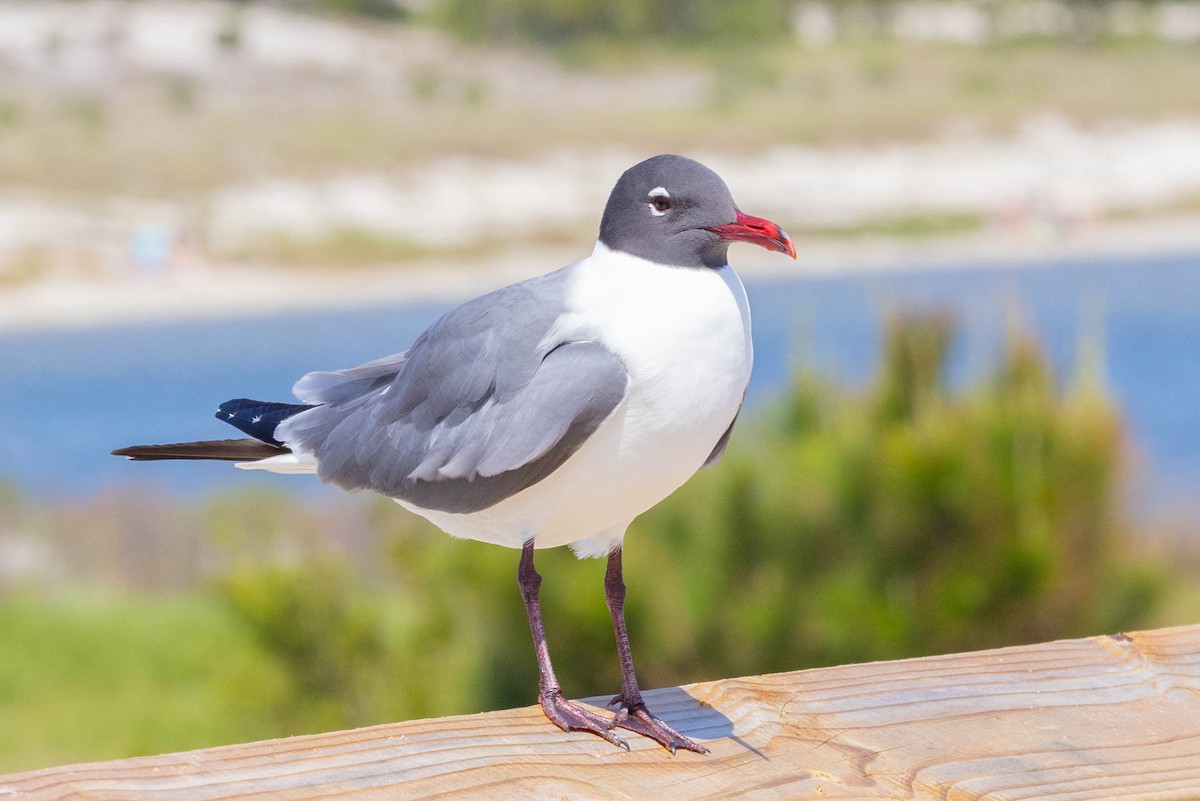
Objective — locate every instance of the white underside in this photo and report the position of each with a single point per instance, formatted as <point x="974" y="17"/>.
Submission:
<point x="684" y="336"/>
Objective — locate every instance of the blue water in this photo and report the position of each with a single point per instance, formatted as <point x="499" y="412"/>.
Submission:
<point x="69" y="397"/>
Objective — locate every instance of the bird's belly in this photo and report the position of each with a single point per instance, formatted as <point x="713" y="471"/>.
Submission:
<point x="637" y="458"/>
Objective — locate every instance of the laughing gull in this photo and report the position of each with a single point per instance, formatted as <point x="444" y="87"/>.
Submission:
<point x="550" y="412"/>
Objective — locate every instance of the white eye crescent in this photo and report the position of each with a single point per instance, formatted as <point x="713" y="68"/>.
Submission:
<point x="660" y="201"/>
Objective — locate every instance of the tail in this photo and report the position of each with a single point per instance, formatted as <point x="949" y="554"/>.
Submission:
<point x="231" y="450"/>
<point x="256" y="418"/>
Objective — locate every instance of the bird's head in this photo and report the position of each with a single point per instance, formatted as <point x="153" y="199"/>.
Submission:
<point x="673" y="210"/>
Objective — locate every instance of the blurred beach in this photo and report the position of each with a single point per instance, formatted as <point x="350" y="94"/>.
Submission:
<point x="166" y="158"/>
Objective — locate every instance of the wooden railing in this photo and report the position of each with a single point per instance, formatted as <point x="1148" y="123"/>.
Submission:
<point x="1107" y="717"/>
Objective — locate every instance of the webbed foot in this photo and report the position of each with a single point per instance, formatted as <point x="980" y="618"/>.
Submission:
<point x="570" y="716"/>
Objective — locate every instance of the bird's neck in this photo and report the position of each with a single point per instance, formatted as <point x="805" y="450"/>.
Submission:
<point x="602" y="253"/>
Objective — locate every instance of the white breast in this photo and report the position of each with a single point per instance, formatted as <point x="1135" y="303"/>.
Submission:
<point x="684" y="336"/>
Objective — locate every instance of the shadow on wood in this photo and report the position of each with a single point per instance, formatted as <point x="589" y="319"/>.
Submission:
<point x="1106" y="717"/>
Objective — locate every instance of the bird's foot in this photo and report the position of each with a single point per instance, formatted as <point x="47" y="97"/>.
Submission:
<point x="637" y="718"/>
<point x="570" y="716"/>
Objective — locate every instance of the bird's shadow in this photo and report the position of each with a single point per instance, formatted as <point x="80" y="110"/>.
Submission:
<point x="687" y="714"/>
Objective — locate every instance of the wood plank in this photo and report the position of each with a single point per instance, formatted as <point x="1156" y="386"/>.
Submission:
<point x="1105" y="717"/>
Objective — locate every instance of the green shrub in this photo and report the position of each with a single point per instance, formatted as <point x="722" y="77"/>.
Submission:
<point x="904" y="520"/>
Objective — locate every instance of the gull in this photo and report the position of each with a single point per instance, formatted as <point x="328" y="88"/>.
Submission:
<point x="550" y="412"/>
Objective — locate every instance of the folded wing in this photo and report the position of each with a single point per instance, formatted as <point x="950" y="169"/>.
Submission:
<point x="487" y="403"/>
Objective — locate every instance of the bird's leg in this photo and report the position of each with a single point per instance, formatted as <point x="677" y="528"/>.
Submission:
<point x="633" y="714"/>
<point x="566" y="715"/>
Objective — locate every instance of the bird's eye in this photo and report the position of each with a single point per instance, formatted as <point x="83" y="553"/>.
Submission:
<point x="660" y="201"/>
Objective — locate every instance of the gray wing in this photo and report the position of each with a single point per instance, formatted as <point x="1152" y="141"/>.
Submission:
<point x="484" y="405"/>
<point x="344" y="385"/>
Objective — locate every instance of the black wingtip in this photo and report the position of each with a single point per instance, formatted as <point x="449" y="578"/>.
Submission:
<point x="256" y="418"/>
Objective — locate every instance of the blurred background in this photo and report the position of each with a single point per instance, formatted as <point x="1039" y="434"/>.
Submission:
<point x="975" y="416"/>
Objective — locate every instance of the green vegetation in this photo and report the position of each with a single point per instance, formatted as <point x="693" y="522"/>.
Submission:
<point x="905" y="521"/>
<point x="101" y="677"/>
<point x="369" y="9"/>
<point x="845" y="525"/>
<point x="339" y="247"/>
<point x="555" y="22"/>
<point x="907" y="227"/>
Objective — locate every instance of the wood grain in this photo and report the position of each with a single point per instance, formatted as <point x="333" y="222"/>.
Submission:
<point x="1114" y="717"/>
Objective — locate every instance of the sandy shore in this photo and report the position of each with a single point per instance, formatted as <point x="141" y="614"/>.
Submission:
<point x="238" y="290"/>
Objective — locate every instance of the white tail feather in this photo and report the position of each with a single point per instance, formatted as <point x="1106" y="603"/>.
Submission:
<point x="284" y="463"/>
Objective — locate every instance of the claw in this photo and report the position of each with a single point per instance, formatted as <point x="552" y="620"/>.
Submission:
<point x="635" y="717"/>
<point x="639" y="720"/>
